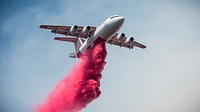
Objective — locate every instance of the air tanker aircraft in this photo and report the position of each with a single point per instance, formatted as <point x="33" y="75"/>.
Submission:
<point x="83" y="37"/>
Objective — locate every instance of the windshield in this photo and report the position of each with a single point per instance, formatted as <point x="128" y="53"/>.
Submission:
<point x="113" y="16"/>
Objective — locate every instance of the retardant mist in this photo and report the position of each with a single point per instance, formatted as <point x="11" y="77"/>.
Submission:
<point x="81" y="85"/>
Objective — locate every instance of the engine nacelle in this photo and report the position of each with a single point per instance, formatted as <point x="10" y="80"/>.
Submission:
<point x="121" y="36"/>
<point x="129" y="40"/>
<point x="74" y="29"/>
<point x="86" y="29"/>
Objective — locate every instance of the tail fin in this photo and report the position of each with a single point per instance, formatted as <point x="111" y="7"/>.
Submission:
<point x="77" y="43"/>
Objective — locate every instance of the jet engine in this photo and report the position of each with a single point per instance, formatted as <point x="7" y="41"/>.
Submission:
<point x="120" y="36"/>
<point x="86" y="29"/>
<point x="129" y="40"/>
<point x="74" y="29"/>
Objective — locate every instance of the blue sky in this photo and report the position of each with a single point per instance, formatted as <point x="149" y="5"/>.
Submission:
<point x="162" y="78"/>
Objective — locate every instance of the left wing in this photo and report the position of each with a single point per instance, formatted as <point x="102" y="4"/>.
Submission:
<point x="127" y="42"/>
<point x="75" y="31"/>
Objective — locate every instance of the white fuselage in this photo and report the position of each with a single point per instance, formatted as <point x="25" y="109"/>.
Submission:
<point x="105" y="31"/>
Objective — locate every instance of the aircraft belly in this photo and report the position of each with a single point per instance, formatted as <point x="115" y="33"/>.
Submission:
<point x="109" y="33"/>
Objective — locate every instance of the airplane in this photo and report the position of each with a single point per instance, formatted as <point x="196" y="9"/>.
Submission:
<point x="83" y="37"/>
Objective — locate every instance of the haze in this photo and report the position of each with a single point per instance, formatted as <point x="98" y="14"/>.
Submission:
<point x="164" y="77"/>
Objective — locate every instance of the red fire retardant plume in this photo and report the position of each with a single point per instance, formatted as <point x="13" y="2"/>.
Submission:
<point x="81" y="85"/>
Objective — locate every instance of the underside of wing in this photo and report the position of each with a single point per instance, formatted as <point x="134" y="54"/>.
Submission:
<point x="75" y="31"/>
<point x="139" y="45"/>
<point x="122" y="41"/>
<point x="52" y="27"/>
<point x="118" y="43"/>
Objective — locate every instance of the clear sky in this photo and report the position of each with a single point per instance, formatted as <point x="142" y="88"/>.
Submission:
<point x="165" y="77"/>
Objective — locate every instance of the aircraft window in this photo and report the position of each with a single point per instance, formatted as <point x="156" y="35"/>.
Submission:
<point x="113" y="17"/>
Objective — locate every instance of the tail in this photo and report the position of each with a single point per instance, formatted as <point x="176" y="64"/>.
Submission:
<point x="77" y="43"/>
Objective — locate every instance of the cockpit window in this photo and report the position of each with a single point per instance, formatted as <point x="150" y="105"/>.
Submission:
<point x="113" y="17"/>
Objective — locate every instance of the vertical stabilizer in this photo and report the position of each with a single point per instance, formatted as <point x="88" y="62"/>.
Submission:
<point x="78" y="43"/>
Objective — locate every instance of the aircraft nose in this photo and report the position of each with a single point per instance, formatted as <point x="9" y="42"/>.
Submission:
<point x="121" y="20"/>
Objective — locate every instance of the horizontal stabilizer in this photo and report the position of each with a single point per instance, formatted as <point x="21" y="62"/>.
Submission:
<point x="65" y="39"/>
<point x="72" y="55"/>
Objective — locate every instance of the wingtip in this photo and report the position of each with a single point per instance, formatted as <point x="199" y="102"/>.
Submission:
<point x="56" y="38"/>
<point x="41" y="26"/>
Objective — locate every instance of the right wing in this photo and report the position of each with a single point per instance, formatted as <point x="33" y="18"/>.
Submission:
<point x="124" y="43"/>
<point x="139" y="45"/>
<point x="67" y="30"/>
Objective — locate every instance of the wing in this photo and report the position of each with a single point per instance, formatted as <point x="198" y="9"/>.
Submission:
<point x="125" y="42"/>
<point x="70" y="31"/>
